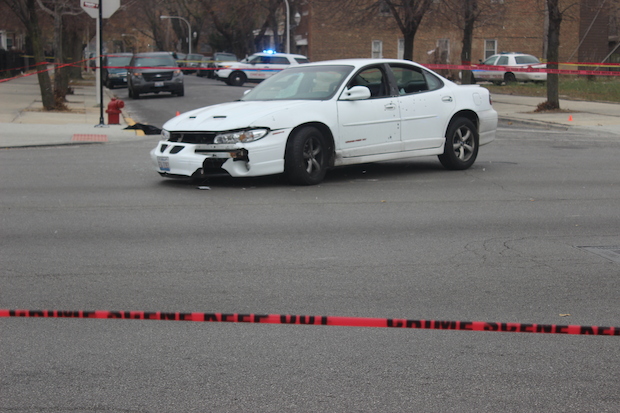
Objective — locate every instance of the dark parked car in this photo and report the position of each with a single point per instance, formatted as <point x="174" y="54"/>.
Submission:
<point x="153" y="73"/>
<point x="114" y="71"/>
<point x="191" y="63"/>
<point x="210" y="63"/>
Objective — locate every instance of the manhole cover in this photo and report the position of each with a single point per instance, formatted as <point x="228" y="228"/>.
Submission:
<point x="611" y="253"/>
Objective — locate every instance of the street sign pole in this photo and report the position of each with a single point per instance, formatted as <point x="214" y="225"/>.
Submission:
<point x="98" y="10"/>
<point x="100" y="65"/>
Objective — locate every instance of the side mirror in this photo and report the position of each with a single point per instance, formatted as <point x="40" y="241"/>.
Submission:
<point x="356" y="93"/>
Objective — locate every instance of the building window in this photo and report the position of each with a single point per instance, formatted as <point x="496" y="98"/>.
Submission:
<point x="377" y="49"/>
<point x="401" y="48"/>
<point x="443" y="51"/>
<point x="490" y="48"/>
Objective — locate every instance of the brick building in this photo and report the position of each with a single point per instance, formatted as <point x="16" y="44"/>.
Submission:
<point x="589" y="33"/>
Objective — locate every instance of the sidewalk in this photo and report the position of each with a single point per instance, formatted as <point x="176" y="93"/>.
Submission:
<point x="23" y="122"/>
<point x="593" y="116"/>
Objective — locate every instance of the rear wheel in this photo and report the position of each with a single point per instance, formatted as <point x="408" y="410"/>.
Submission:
<point x="237" y="79"/>
<point x="461" y="147"/>
<point x="306" y="157"/>
<point x="510" y="77"/>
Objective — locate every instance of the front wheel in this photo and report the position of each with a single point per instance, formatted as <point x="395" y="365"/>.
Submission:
<point x="461" y="147"/>
<point x="306" y="157"/>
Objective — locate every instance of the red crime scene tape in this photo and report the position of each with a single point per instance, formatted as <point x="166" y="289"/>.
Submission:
<point x="321" y="320"/>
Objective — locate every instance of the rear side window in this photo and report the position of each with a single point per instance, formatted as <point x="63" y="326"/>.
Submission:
<point x="524" y="60"/>
<point x="414" y="80"/>
<point x="278" y="60"/>
<point x="301" y="60"/>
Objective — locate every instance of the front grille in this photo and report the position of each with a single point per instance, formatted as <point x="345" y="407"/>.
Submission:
<point x="157" y="76"/>
<point x="192" y="137"/>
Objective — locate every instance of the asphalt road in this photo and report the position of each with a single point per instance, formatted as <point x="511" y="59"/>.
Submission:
<point x="94" y="227"/>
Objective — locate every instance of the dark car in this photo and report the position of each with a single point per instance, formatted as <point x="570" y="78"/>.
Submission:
<point x="114" y="70"/>
<point x="191" y="63"/>
<point x="210" y="63"/>
<point x="153" y="73"/>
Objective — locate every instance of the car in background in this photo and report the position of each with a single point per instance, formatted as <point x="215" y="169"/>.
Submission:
<point x="191" y="63"/>
<point x="179" y="58"/>
<point x="509" y="61"/>
<point x="209" y="63"/>
<point x="257" y="67"/>
<point x="154" y="72"/>
<point x="309" y="118"/>
<point x="114" y="70"/>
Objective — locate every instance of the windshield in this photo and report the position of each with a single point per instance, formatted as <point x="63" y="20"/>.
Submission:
<point x="305" y="83"/>
<point x="119" y="60"/>
<point x="156" y="61"/>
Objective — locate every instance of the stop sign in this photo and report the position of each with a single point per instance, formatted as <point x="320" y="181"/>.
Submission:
<point x="91" y="7"/>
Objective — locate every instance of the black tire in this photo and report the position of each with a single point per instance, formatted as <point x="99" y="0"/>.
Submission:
<point x="306" y="158"/>
<point x="181" y="92"/>
<point x="129" y="92"/>
<point x="510" y="77"/>
<point x="461" y="147"/>
<point x="237" y="79"/>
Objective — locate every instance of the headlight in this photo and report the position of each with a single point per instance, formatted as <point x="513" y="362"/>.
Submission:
<point x="244" y="136"/>
<point x="165" y="134"/>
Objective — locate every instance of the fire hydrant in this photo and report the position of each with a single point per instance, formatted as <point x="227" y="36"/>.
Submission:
<point x="114" y="109"/>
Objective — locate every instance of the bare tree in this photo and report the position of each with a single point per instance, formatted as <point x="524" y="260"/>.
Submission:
<point x="235" y="21"/>
<point x="554" y="15"/>
<point x="26" y="12"/>
<point x="408" y="15"/>
<point x="469" y="15"/>
<point x="59" y="9"/>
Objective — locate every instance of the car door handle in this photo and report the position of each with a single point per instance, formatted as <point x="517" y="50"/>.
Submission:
<point x="390" y="106"/>
<point x="447" y="99"/>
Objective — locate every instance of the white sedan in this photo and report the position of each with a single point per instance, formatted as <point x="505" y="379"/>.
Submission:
<point x="313" y="117"/>
<point x="511" y="67"/>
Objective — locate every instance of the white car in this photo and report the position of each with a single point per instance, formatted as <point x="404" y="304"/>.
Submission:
<point x="310" y="118"/>
<point x="510" y="68"/>
<point x="257" y="67"/>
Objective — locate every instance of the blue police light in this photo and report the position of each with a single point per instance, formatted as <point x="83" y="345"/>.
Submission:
<point x="269" y="51"/>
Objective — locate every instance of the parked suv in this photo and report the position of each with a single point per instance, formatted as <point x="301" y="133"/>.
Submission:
<point x="257" y="67"/>
<point x="511" y="60"/>
<point x="114" y="70"/>
<point x="153" y="73"/>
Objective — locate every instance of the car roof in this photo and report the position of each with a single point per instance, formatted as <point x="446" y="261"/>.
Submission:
<point x="280" y="54"/>
<point x="152" y="54"/>
<point x="359" y="62"/>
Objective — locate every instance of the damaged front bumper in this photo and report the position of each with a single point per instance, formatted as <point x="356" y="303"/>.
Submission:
<point x="178" y="159"/>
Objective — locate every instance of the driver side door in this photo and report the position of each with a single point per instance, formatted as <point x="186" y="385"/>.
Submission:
<point x="369" y="126"/>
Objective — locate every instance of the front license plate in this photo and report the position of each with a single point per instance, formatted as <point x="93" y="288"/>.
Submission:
<point x="163" y="163"/>
<point x="159" y="84"/>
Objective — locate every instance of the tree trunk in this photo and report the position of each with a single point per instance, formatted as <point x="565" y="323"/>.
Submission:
<point x="553" y="54"/>
<point x="408" y="51"/>
<point x="469" y="15"/>
<point x="34" y="31"/>
<point x="61" y="79"/>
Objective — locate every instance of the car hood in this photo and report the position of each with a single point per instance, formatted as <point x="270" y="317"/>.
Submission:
<point x="238" y="115"/>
